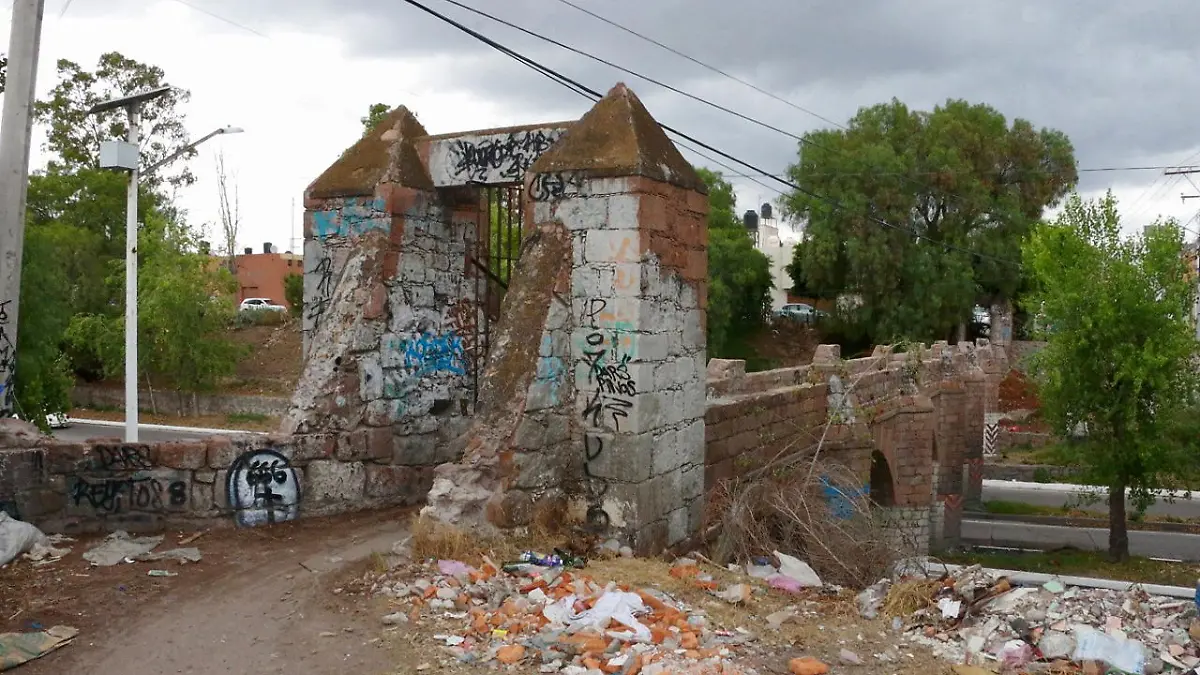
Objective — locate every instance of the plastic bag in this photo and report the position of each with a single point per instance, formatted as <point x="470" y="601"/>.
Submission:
<point x="1126" y="655"/>
<point x="612" y="606"/>
<point x="17" y="537"/>
<point x="798" y="570"/>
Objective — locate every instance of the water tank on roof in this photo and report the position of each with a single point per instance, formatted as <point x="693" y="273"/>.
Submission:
<point x="267" y="247"/>
<point x="750" y="220"/>
<point x="766" y="211"/>
<point x="249" y="251"/>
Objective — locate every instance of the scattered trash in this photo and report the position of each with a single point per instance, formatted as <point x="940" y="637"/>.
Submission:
<point x="119" y="546"/>
<point x="797" y="570"/>
<point x="736" y="594"/>
<point x="161" y="573"/>
<point x="19" y="648"/>
<point x="17" y="537"/>
<point x="453" y="568"/>
<point x="395" y="619"/>
<point x="1125" y="655"/>
<point x="192" y="537"/>
<point x="183" y="555"/>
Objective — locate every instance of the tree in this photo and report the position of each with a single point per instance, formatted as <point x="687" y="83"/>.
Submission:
<point x="961" y="177"/>
<point x="1121" y="352"/>
<point x="739" y="275"/>
<point x="231" y="215"/>
<point x="293" y="292"/>
<point x="73" y="270"/>
<point x="74" y="136"/>
<point x="183" y="314"/>
<point x="375" y="115"/>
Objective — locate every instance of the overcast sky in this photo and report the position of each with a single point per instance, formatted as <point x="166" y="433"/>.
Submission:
<point x="1117" y="76"/>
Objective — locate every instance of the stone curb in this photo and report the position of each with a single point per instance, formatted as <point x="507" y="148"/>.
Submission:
<point x="1101" y="523"/>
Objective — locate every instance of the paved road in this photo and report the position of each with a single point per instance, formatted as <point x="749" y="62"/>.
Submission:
<point x="1172" y="545"/>
<point x="1058" y="495"/>
<point x="82" y="431"/>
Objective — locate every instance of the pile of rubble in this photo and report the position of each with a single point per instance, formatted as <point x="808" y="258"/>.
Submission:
<point x="556" y="617"/>
<point x="548" y="612"/>
<point x="977" y="618"/>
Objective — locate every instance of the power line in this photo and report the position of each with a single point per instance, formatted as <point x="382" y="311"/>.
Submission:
<point x="702" y="64"/>
<point x="594" y="96"/>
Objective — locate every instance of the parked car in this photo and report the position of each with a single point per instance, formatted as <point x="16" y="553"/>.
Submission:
<point x="260" y="305"/>
<point x="802" y="312"/>
<point x="55" y="420"/>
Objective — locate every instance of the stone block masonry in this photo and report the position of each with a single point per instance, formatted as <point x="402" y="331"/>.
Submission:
<point x="247" y="481"/>
<point x="571" y="386"/>
<point x="611" y="424"/>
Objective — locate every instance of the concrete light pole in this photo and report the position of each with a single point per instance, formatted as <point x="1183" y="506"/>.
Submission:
<point x="125" y="155"/>
<point x="16" y="124"/>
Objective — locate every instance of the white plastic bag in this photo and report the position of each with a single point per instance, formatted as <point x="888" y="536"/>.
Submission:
<point x="796" y="569"/>
<point x="1126" y="655"/>
<point x="17" y="537"/>
<point x="613" y="605"/>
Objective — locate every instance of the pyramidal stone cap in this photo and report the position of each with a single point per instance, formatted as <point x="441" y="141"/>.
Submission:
<point x="618" y="137"/>
<point x="386" y="152"/>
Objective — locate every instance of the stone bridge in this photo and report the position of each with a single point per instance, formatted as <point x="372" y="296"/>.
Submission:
<point x="510" y="323"/>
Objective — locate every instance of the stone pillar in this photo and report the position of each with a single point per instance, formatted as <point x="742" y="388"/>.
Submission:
<point x="1001" y="325"/>
<point x="636" y="212"/>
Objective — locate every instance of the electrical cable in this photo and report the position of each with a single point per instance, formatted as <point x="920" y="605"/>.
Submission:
<point x="595" y="96"/>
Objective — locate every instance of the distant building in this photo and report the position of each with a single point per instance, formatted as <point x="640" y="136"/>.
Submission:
<point x="261" y="275"/>
<point x="776" y="241"/>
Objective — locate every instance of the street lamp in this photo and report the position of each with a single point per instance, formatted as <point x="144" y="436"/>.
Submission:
<point x="125" y="155"/>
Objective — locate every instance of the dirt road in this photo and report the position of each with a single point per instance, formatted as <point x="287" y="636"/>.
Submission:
<point x="265" y="600"/>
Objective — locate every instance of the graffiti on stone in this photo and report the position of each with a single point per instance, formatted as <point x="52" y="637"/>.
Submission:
<point x="427" y="353"/>
<point x="354" y="217"/>
<point x="549" y="187"/>
<point x="462" y="320"/>
<point x="499" y="158"/>
<point x="315" y="307"/>
<point x="596" y="488"/>
<point x="262" y="489"/>
<point x="123" y="495"/>
<point x="550" y="369"/>
<point x="120" y="458"/>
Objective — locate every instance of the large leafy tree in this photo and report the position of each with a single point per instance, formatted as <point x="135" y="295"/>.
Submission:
<point x="739" y="275"/>
<point x="1121" y="353"/>
<point x="898" y="205"/>
<point x="73" y="271"/>
<point x="73" y="136"/>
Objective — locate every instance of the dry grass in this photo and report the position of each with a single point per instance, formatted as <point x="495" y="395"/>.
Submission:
<point x="790" y="511"/>
<point x="433" y="538"/>
<point x="906" y="597"/>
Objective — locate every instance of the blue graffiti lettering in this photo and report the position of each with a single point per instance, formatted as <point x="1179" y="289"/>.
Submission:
<point x="430" y="353"/>
<point x="356" y="217"/>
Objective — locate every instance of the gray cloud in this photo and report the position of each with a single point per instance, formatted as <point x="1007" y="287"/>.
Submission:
<point x="1112" y="74"/>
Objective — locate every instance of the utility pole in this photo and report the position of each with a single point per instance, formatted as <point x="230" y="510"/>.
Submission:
<point x="16" y="127"/>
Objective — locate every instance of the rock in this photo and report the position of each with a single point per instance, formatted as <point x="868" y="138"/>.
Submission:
<point x="850" y="657"/>
<point x="738" y="593"/>
<point x="626" y="552"/>
<point x="510" y="654"/>
<point x="395" y="619"/>
<point x="1154" y="666"/>
<point x="807" y="665"/>
<point x="1056" y="645"/>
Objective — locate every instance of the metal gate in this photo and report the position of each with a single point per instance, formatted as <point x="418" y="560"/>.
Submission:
<point x="497" y="247"/>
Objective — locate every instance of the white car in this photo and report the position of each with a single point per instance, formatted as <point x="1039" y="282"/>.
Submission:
<point x="58" y="420"/>
<point x="260" y="305"/>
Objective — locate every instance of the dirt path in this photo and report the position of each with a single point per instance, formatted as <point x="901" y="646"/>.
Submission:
<point x="261" y="601"/>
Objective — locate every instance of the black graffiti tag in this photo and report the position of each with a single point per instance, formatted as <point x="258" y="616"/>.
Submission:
<point x="324" y="292"/>
<point x="549" y="187"/>
<point x="120" y="458"/>
<point x="119" y="495"/>
<point x="507" y="157"/>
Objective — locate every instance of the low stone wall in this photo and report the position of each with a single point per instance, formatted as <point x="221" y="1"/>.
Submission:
<point x="1022" y="440"/>
<point x="1026" y="473"/>
<point x="906" y="425"/>
<point x="244" y="480"/>
<point x="169" y="401"/>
